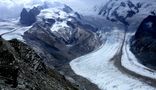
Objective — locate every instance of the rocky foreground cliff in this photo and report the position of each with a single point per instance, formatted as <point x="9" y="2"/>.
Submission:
<point x="22" y="69"/>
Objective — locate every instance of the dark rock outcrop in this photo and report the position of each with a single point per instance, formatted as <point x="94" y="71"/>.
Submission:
<point x="143" y="44"/>
<point x="67" y="9"/>
<point x="22" y="69"/>
<point x="27" y="18"/>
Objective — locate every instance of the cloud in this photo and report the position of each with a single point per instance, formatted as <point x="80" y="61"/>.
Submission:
<point x="84" y="6"/>
<point x="9" y="9"/>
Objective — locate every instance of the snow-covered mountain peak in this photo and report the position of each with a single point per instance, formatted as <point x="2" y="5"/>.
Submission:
<point x="124" y="10"/>
<point x="59" y="15"/>
<point x="54" y="13"/>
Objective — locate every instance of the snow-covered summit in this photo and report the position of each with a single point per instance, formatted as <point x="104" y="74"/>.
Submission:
<point x="47" y="10"/>
<point x="59" y="16"/>
<point x="124" y="10"/>
<point x="56" y="10"/>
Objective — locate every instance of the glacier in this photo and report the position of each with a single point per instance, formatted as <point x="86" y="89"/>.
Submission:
<point x="98" y="66"/>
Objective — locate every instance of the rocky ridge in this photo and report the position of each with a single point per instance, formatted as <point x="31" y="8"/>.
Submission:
<point x="22" y="69"/>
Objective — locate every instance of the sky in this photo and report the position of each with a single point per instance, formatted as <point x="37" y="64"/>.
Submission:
<point x="12" y="8"/>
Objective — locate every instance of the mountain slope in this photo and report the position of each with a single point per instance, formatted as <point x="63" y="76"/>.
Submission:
<point x="59" y="36"/>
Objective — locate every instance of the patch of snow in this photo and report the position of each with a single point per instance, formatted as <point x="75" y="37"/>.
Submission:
<point x="149" y="24"/>
<point x="59" y="26"/>
<point x="53" y="13"/>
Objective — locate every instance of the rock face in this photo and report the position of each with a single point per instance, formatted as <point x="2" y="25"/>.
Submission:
<point x="22" y="69"/>
<point x="143" y="44"/>
<point x="125" y="10"/>
<point x="27" y="18"/>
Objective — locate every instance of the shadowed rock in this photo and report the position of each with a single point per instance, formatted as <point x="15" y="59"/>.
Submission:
<point x="22" y="69"/>
<point x="143" y="44"/>
<point x="27" y="18"/>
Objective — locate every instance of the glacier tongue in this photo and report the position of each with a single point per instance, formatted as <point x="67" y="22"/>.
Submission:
<point x="99" y="69"/>
<point x="11" y="30"/>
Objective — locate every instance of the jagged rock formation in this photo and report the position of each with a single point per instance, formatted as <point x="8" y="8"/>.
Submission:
<point x="22" y="69"/>
<point x="125" y="10"/>
<point x="27" y="18"/>
<point x="143" y="44"/>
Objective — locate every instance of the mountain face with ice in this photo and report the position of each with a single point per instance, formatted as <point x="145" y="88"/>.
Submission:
<point x="126" y="11"/>
<point x="28" y="16"/>
<point x="58" y="35"/>
<point x="56" y="32"/>
<point x="144" y="42"/>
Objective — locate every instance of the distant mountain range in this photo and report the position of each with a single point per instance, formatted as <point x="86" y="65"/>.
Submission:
<point x="127" y="11"/>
